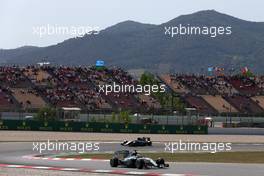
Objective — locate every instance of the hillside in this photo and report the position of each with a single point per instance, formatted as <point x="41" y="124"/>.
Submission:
<point x="134" y="45"/>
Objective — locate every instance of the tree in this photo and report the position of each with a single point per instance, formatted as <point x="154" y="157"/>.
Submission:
<point x="147" y="79"/>
<point x="47" y="114"/>
<point x="124" y="117"/>
<point x="165" y="98"/>
<point x="113" y="117"/>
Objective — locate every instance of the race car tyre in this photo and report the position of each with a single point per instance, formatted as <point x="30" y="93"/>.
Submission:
<point x="114" y="162"/>
<point x="160" y="162"/>
<point x="140" y="164"/>
<point x="150" y="144"/>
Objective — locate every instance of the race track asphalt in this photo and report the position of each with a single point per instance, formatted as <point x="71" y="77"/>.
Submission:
<point x="13" y="152"/>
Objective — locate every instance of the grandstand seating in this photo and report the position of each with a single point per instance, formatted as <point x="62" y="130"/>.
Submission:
<point x="6" y="101"/>
<point x="245" y="86"/>
<point x="220" y="104"/>
<point x="199" y="85"/>
<point x="236" y="91"/>
<point x="34" y="87"/>
<point x="223" y="86"/>
<point x="118" y="100"/>
<point x="37" y="76"/>
<point x="244" y="104"/>
<point x="149" y="101"/>
<point x="13" y="77"/>
<point x="259" y="100"/>
<point x="199" y="104"/>
<point x="172" y="82"/>
<point x="29" y="99"/>
<point x="260" y="83"/>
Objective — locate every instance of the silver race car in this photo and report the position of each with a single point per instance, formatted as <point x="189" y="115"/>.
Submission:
<point x="129" y="159"/>
<point x="144" y="141"/>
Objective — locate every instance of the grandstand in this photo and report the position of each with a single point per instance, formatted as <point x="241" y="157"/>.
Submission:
<point x="220" y="104"/>
<point x="13" y="77"/>
<point x="28" y="99"/>
<point x="172" y="82"/>
<point x="149" y="101"/>
<point x="244" y="104"/>
<point x="259" y="100"/>
<point x="37" y="75"/>
<point x="199" y="104"/>
<point x="199" y="85"/>
<point x="6" y="101"/>
<point x="212" y="95"/>
<point x="34" y="87"/>
<point x="245" y="86"/>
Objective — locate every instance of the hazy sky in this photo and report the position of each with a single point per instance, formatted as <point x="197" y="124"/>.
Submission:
<point x="18" y="17"/>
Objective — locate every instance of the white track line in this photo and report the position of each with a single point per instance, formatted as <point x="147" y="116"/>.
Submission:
<point x="117" y="172"/>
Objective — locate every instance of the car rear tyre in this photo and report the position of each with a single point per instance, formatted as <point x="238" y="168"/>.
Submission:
<point x="160" y="162"/>
<point x="114" y="162"/>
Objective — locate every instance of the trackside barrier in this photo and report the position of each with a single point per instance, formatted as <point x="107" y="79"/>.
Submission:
<point x="32" y="125"/>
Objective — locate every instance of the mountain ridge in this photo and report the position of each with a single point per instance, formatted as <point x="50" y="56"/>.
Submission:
<point x="133" y="45"/>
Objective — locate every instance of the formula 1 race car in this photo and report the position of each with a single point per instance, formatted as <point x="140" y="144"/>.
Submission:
<point x="144" y="141"/>
<point x="129" y="159"/>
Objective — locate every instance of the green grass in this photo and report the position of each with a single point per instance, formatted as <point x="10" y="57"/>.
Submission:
<point x="221" y="157"/>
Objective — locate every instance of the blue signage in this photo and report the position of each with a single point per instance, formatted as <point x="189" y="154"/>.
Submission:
<point x="210" y="69"/>
<point x="99" y="63"/>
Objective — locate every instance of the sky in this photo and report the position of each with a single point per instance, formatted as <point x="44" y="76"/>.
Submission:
<point x="20" y="19"/>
